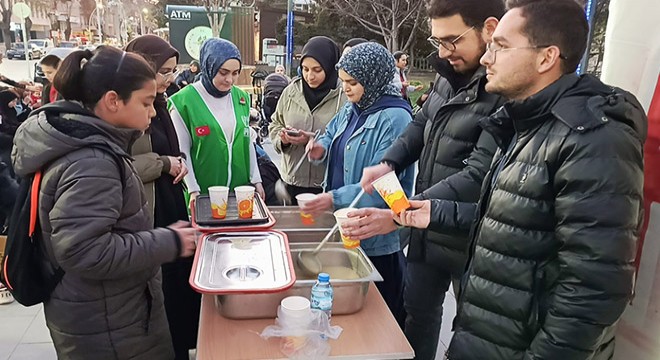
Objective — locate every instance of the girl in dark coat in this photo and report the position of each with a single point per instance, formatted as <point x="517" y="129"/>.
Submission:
<point x="159" y="164"/>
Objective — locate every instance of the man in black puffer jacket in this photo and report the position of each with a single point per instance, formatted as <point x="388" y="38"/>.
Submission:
<point x="454" y="155"/>
<point x="552" y="259"/>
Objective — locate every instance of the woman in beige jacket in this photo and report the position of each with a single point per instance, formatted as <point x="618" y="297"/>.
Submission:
<point x="307" y="105"/>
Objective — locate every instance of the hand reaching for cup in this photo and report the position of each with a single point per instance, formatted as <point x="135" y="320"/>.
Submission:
<point x="370" y="174"/>
<point x="368" y="222"/>
<point x="418" y="215"/>
<point x="187" y="236"/>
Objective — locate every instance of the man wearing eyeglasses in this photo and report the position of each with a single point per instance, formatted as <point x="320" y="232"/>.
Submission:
<point x="552" y="257"/>
<point x="454" y="156"/>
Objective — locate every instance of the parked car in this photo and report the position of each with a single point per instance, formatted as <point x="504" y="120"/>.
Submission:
<point x="61" y="53"/>
<point x="68" y="44"/>
<point x="45" y="45"/>
<point x="17" y="51"/>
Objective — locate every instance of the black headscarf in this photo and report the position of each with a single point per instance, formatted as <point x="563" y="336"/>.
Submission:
<point x="326" y="52"/>
<point x="9" y="122"/>
<point x="157" y="51"/>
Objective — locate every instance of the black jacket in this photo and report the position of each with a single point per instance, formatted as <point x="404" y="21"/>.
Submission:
<point x="454" y="154"/>
<point x="187" y="76"/>
<point x="552" y="258"/>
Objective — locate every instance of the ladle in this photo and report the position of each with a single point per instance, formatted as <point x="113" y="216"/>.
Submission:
<point x="308" y="261"/>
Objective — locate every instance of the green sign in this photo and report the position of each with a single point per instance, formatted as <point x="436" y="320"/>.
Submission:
<point x="190" y="27"/>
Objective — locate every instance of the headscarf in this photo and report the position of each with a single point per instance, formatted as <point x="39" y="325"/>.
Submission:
<point x="196" y="63"/>
<point x="157" y="51"/>
<point x="153" y="48"/>
<point x="213" y="54"/>
<point x="372" y="66"/>
<point x="9" y="119"/>
<point x="326" y="52"/>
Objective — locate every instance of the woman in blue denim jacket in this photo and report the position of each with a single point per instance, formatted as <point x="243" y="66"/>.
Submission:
<point x="357" y="137"/>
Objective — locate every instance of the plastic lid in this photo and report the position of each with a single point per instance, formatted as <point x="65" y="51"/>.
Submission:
<point x="324" y="277"/>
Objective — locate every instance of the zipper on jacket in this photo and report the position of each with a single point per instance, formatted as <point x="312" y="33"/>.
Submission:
<point x="482" y="207"/>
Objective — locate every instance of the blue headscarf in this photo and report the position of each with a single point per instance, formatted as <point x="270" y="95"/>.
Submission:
<point x="372" y="66"/>
<point x="212" y="55"/>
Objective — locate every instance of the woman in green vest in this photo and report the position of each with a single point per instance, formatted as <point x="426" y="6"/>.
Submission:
<point x="211" y="118"/>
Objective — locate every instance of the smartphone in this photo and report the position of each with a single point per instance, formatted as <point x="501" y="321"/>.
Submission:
<point x="293" y="132"/>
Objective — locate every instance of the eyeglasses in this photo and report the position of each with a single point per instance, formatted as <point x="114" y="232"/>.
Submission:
<point x="493" y="50"/>
<point x="169" y="75"/>
<point x="449" y="45"/>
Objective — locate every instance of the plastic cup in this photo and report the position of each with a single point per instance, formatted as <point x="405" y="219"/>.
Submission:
<point x="219" y="196"/>
<point x="341" y="216"/>
<point x="306" y="219"/>
<point x="294" y="316"/>
<point x="389" y="188"/>
<point x="244" y="201"/>
<point x="296" y="307"/>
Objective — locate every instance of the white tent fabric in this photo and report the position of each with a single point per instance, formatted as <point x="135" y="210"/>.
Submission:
<point x="632" y="62"/>
<point x="632" y="47"/>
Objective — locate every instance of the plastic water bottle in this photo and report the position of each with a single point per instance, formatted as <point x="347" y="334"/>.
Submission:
<point x="322" y="294"/>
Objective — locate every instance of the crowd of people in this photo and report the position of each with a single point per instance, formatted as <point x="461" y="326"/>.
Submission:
<point x="539" y="252"/>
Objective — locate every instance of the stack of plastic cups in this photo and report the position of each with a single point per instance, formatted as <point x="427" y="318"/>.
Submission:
<point x="295" y="315"/>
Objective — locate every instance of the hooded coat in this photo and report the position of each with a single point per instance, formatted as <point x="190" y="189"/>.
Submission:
<point x="552" y="258"/>
<point x="96" y="227"/>
<point x="307" y="109"/>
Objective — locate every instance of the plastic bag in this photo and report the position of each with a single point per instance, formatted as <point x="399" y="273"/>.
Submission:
<point x="303" y="338"/>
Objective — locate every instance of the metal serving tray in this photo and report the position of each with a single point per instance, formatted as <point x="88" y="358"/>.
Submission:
<point x="289" y="222"/>
<point x="243" y="262"/>
<point x="204" y="217"/>
<point x="350" y="292"/>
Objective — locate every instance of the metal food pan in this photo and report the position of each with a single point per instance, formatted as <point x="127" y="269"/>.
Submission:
<point x="349" y="293"/>
<point x="289" y="222"/>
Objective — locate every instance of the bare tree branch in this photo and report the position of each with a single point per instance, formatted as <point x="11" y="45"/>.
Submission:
<point x="382" y="17"/>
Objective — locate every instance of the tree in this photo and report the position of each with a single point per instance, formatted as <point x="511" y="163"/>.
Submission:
<point x="5" y="8"/>
<point x="216" y="11"/>
<point x="6" y="11"/>
<point x="385" y="18"/>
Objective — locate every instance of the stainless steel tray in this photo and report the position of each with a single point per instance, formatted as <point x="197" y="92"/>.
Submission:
<point x="288" y="221"/>
<point x="349" y="293"/>
<point x="243" y="262"/>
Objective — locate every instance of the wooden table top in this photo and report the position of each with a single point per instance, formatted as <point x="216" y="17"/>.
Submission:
<point x="371" y="333"/>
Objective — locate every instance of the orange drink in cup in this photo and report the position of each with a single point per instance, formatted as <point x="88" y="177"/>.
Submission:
<point x="306" y="219"/>
<point x="389" y="188"/>
<point x="245" y="201"/>
<point x="341" y="216"/>
<point x="218" y="196"/>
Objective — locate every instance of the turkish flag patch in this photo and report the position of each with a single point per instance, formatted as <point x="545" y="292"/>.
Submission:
<point x="203" y="130"/>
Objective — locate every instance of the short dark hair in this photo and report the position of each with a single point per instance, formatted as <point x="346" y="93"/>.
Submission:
<point x="558" y="22"/>
<point x="51" y="60"/>
<point x="106" y="69"/>
<point x="398" y="54"/>
<point x="473" y="12"/>
<point x="354" y="41"/>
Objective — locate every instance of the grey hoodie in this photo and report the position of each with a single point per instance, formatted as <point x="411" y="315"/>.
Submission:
<point x="95" y="226"/>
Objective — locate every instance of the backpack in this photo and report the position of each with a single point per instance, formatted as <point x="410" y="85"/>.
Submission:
<point x="26" y="270"/>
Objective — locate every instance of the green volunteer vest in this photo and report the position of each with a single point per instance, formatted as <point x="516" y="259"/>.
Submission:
<point x="213" y="161"/>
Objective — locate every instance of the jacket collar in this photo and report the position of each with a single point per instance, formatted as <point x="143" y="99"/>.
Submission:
<point x="299" y="97"/>
<point x="456" y="80"/>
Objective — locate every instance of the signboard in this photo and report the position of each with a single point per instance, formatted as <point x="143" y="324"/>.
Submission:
<point x="189" y="28"/>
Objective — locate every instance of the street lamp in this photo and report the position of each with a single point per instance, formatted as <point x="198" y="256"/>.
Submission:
<point x="99" y="8"/>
